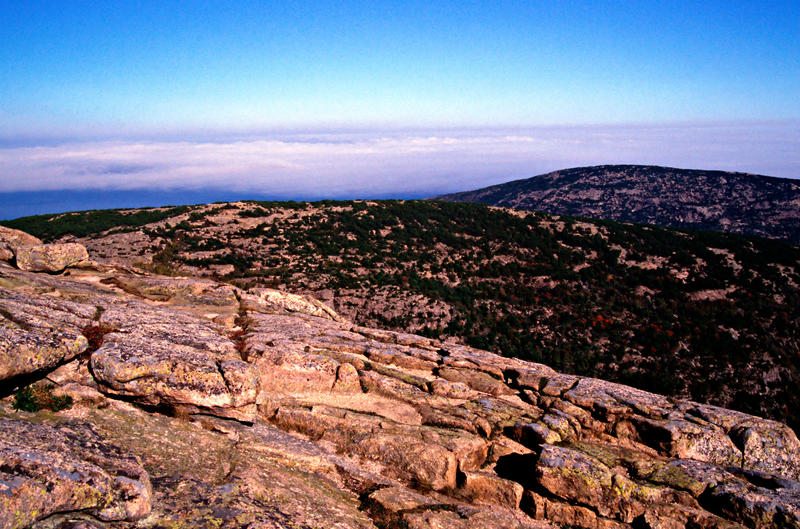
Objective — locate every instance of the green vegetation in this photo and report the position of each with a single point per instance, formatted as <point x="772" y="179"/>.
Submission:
<point x="84" y="223"/>
<point x="703" y="315"/>
<point x="38" y="397"/>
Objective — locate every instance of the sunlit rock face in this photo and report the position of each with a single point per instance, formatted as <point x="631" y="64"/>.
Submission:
<point x="50" y="257"/>
<point x="11" y="240"/>
<point x="199" y="404"/>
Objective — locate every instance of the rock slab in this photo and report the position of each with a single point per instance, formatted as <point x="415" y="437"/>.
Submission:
<point x="46" y="470"/>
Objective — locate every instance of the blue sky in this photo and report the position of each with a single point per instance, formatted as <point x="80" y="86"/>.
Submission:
<point x="147" y="66"/>
<point x="168" y="71"/>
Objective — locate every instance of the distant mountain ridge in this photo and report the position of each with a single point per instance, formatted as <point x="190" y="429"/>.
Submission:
<point x="688" y="198"/>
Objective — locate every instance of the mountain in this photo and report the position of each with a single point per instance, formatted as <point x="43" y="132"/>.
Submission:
<point x="706" y="316"/>
<point x="138" y="400"/>
<point x="664" y="196"/>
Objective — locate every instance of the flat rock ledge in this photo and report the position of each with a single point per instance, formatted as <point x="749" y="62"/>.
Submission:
<point x="337" y="425"/>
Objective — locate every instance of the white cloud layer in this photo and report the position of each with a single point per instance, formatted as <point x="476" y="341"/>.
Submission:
<point x="374" y="165"/>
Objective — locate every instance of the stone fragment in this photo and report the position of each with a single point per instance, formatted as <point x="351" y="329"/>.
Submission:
<point x="192" y="293"/>
<point x="462" y="356"/>
<point x="50" y="257"/>
<point x="453" y="390"/>
<point x="533" y="435"/>
<point x="558" y="384"/>
<point x="543" y="508"/>
<point x="560" y="424"/>
<point x="402" y="338"/>
<point x="470" y="451"/>
<point x="692" y="476"/>
<point x="579" y="478"/>
<point x="46" y="470"/>
<point x="477" y="380"/>
<point x="394" y="385"/>
<point x="487" y="487"/>
<point x="400" y="358"/>
<point x="347" y="380"/>
<point x="503" y="446"/>
<point x="448" y="419"/>
<point x="664" y="516"/>
<point x="532" y="376"/>
<point x="295" y="373"/>
<point x="388" y="503"/>
<point x="28" y="351"/>
<point x="499" y="413"/>
<point x="574" y="476"/>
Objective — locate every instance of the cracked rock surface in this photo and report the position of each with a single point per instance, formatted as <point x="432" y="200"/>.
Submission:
<point x="197" y="404"/>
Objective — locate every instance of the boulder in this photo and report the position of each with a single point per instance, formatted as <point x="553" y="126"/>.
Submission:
<point x="50" y="257"/>
<point x="11" y="240"/>
<point x="543" y="508"/>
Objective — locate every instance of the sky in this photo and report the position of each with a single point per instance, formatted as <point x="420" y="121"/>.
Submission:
<point x="354" y="99"/>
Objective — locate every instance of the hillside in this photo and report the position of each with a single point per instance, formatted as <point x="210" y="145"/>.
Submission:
<point x="708" y="316"/>
<point x="142" y="401"/>
<point x="664" y="196"/>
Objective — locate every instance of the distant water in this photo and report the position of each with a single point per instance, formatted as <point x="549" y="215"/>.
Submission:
<point x="24" y="203"/>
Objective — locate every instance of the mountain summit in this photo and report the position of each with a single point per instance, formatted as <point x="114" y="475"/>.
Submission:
<point x="687" y="198"/>
<point x="160" y="402"/>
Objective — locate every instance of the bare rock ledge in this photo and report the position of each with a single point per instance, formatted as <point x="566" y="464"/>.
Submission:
<point x="198" y="404"/>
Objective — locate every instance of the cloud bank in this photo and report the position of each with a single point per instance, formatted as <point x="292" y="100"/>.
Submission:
<point x="340" y="165"/>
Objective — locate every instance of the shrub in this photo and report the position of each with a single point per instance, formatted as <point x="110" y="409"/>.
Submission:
<point x="36" y="397"/>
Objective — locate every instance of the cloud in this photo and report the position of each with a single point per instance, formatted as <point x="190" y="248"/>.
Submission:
<point x="375" y="164"/>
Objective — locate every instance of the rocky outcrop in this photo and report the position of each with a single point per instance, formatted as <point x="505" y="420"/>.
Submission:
<point x="52" y="469"/>
<point x="50" y="257"/>
<point x="338" y="425"/>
